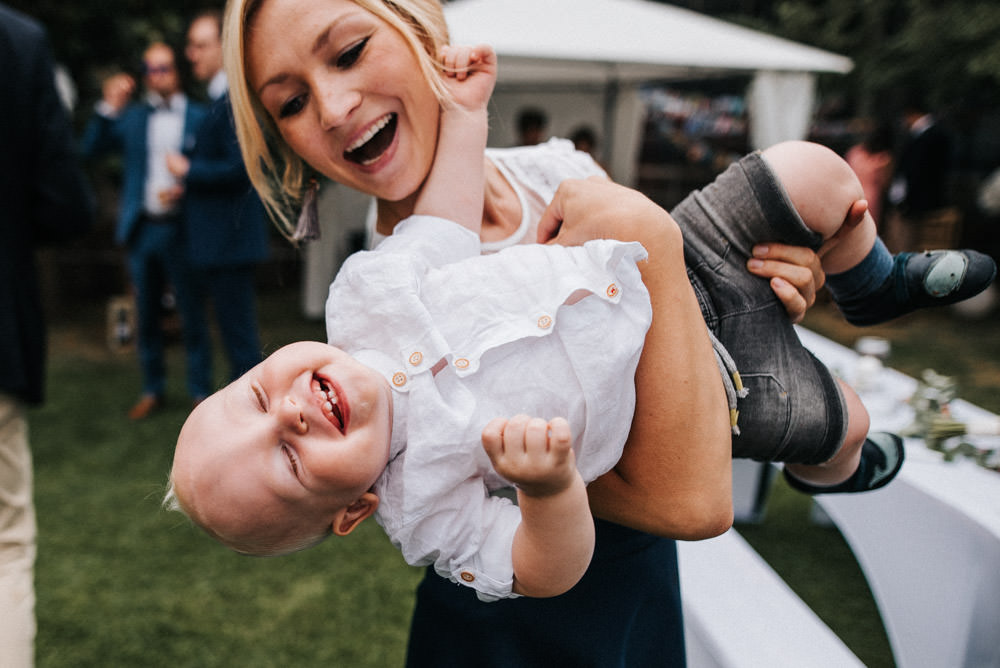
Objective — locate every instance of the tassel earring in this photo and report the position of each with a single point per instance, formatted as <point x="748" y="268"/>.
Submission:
<point x="307" y="227"/>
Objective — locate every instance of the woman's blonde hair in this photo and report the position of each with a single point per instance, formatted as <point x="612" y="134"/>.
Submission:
<point x="280" y="176"/>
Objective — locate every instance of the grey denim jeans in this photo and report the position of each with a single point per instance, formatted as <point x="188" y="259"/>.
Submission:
<point x="794" y="411"/>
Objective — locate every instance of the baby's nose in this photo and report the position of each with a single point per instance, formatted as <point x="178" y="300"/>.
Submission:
<point x="293" y="416"/>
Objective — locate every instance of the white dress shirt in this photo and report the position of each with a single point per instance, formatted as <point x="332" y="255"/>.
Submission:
<point x="164" y="135"/>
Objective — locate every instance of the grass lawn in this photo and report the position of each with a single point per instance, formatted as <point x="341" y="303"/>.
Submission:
<point x="122" y="583"/>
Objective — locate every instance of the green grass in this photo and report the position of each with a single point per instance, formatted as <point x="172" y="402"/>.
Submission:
<point x="818" y="565"/>
<point x="122" y="583"/>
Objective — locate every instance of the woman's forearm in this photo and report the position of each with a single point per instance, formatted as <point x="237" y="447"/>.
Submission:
<point x="675" y="475"/>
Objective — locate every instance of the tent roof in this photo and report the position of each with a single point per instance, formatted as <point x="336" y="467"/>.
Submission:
<point x="586" y="40"/>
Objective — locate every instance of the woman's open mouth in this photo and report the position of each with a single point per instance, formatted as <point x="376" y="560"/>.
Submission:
<point x="373" y="143"/>
<point x="330" y="403"/>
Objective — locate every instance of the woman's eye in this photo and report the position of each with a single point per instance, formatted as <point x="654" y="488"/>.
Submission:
<point x="291" y="460"/>
<point x="349" y="57"/>
<point x="291" y="107"/>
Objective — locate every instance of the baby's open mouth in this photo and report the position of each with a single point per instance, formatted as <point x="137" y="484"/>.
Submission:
<point x="372" y="144"/>
<point x="330" y="402"/>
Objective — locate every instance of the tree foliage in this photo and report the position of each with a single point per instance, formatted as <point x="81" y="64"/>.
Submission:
<point x="948" y="50"/>
<point x="94" y="37"/>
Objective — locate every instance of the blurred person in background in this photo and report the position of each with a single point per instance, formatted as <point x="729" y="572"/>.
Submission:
<point x="532" y="126"/>
<point x="45" y="200"/>
<point x="872" y="160"/>
<point x="224" y="222"/>
<point x="920" y="185"/>
<point x="150" y="226"/>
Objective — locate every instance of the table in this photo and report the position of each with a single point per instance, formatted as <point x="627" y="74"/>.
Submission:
<point x="929" y="542"/>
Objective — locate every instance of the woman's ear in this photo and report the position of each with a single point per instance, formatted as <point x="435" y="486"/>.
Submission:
<point x="351" y="516"/>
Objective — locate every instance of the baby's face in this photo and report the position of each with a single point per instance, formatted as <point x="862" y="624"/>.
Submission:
<point x="295" y="439"/>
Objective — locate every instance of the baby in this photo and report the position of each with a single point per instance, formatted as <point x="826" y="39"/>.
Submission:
<point x="437" y="345"/>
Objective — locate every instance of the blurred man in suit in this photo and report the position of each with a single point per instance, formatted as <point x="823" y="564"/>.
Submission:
<point x="150" y="225"/>
<point x="225" y="223"/>
<point x="44" y="200"/>
<point x="919" y="188"/>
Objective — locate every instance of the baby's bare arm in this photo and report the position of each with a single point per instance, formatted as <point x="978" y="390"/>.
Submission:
<point x="555" y="540"/>
<point x="455" y="185"/>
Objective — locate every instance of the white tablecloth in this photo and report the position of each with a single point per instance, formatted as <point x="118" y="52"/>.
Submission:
<point x="929" y="542"/>
<point x="739" y="613"/>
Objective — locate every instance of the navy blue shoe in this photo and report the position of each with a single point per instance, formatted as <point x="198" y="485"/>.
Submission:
<point x="881" y="458"/>
<point x="920" y="280"/>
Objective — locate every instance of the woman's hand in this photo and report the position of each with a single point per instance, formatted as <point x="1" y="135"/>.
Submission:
<point x="795" y="273"/>
<point x="596" y="208"/>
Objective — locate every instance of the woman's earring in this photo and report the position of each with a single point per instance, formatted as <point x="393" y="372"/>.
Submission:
<point x="307" y="227"/>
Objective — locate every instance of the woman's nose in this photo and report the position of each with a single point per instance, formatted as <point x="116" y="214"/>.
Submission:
<point x="291" y="416"/>
<point x="336" y="104"/>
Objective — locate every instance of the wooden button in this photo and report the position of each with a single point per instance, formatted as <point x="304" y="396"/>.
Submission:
<point x="416" y="358"/>
<point x="461" y="363"/>
<point x="544" y="322"/>
<point x="399" y="379"/>
<point x="612" y="290"/>
<point x="467" y="576"/>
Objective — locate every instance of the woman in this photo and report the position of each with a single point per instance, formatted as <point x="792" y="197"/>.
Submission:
<point x="351" y="90"/>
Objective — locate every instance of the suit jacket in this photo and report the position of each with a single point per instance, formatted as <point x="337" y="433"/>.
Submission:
<point x="43" y="195"/>
<point x="224" y="219"/>
<point x="128" y="134"/>
<point x="925" y="164"/>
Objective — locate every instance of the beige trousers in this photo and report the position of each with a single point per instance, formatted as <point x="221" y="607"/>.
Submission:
<point x="17" y="539"/>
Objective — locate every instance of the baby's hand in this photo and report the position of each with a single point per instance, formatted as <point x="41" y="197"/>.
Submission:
<point x="469" y="73"/>
<point x="535" y="455"/>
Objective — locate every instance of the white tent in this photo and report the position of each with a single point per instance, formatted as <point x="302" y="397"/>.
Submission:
<point x="582" y="61"/>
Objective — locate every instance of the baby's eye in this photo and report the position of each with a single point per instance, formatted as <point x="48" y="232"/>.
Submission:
<point x="352" y="54"/>
<point x="292" y="462"/>
<point x="259" y="396"/>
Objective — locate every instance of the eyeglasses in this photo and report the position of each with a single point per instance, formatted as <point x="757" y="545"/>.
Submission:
<point x="157" y="69"/>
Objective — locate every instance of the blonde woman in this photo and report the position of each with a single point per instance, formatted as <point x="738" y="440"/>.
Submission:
<point x="351" y="90"/>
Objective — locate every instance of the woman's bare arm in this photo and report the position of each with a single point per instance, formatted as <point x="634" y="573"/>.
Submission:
<point x="674" y="477"/>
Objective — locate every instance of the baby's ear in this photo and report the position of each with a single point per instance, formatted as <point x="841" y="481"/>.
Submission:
<point x="351" y="516"/>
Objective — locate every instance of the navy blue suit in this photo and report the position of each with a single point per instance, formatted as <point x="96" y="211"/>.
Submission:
<point x="43" y="200"/>
<point x="43" y="195"/>
<point x="924" y="164"/>
<point x="155" y="248"/>
<point x="226" y="231"/>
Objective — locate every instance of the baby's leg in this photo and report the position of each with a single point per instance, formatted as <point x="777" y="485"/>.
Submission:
<point x="824" y="190"/>
<point x="867" y="282"/>
<point x="864" y="462"/>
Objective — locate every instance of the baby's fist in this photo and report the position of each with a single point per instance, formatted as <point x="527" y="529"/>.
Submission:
<point x="535" y="455"/>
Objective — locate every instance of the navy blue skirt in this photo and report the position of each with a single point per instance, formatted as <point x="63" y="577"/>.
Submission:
<point x="626" y="611"/>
